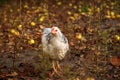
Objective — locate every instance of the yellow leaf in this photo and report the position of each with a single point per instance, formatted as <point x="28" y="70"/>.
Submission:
<point x="11" y="10"/>
<point x="13" y="31"/>
<point x="26" y="6"/>
<point x="70" y="4"/>
<point x="59" y="3"/>
<point x="118" y="16"/>
<point x="78" y="35"/>
<point x="69" y="13"/>
<point x="76" y="15"/>
<point x="89" y="9"/>
<point x="112" y="13"/>
<point x="17" y="33"/>
<point x="108" y="16"/>
<point x="5" y="19"/>
<point x="79" y="10"/>
<point x="108" y="13"/>
<point x="113" y="17"/>
<point x="75" y="7"/>
<point x="41" y="19"/>
<point x="83" y="13"/>
<point x="72" y="18"/>
<point x="90" y="78"/>
<point x="18" y="9"/>
<point x="32" y="23"/>
<point x="98" y="10"/>
<point x="31" y="41"/>
<point x="117" y="37"/>
<point x="19" y="27"/>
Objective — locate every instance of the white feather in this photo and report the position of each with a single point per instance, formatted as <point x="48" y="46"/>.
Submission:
<point x="56" y="46"/>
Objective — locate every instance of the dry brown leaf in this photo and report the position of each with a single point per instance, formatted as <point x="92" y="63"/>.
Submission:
<point x="115" y="61"/>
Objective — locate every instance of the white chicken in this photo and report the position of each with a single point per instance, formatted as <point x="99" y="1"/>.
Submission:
<point x="55" y="44"/>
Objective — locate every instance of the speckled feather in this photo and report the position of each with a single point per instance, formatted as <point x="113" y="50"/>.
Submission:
<point x="56" y="46"/>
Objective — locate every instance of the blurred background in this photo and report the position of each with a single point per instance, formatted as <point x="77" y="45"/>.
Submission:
<point x="91" y="26"/>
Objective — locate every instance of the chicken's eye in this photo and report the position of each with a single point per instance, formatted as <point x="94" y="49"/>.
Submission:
<point x="56" y="30"/>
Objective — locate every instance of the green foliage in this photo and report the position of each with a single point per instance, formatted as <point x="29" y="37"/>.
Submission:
<point x="45" y="65"/>
<point x="85" y="8"/>
<point x="3" y="2"/>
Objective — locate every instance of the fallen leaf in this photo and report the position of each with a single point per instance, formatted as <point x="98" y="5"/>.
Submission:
<point x="115" y="61"/>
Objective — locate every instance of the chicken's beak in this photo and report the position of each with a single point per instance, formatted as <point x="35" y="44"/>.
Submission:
<point x="53" y="32"/>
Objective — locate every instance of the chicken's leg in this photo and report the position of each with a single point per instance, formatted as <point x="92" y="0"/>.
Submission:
<point x="54" y="68"/>
<point x="58" y="65"/>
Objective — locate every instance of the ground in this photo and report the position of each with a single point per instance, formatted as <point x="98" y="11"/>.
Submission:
<point x="92" y="29"/>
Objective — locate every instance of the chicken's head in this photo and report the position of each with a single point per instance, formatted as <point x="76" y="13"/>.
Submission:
<point x="55" y="30"/>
